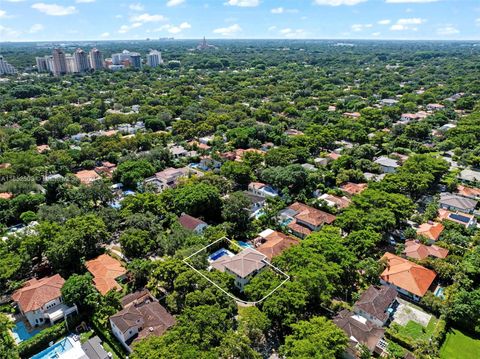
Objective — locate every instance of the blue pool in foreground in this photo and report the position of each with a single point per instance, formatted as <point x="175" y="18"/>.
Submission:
<point x="20" y="332"/>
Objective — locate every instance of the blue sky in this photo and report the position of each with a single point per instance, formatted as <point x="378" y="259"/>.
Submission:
<point x="55" y="20"/>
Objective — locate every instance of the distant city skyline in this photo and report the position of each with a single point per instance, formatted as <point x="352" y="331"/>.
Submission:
<point x="77" y="20"/>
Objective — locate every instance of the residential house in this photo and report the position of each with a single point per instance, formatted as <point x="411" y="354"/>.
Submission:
<point x="208" y="163"/>
<point x="319" y="161"/>
<point x="352" y="189"/>
<point x="169" y="177"/>
<point x="142" y="316"/>
<point x="377" y="304"/>
<point x="301" y="219"/>
<point x="453" y="202"/>
<point x="106" y="169"/>
<point x="262" y="190"/>
<point x="373" y="176"/>
<point x="243" y="266"/>
<point x="293" y="132"/>
<point x="335" y="201"/>
<point x="66" y="348"/>
<point x="468" y="192"/>
<point x="94" y="350"/>
<point x="408" y="278"/>
<point x="430" y="230"/>
<point x="464" y="219"/>
<point x="43" y="148"/>
<point x="309" y="167"/>
<point x="41" y="302"/>
<point x="352" y="114"/>
<point x="6" y="195"/>
<point x="469" y="176"/>
<point x="178" y="152"/>
<point x="107" y="272"/>
<point x="87" y="177"/>
<point x="388" y="165"/>
<point x="192" y="224"/>
<point x="272" y="243"/>
<point x="417" y="250"/>
<point x="388" y="102"/>
<point x="256" y="203"/>
<point x="435" y="107"/>
<point x="360" y="331"/>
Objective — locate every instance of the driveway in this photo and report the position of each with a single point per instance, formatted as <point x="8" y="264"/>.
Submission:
<point x="406" y="312"/>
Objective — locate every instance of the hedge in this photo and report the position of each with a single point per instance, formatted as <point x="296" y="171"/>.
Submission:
<point x="41" y="341"/>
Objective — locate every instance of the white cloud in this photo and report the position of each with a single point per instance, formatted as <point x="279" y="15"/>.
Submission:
<point x="407" y="24"/>
<point x="3" y="14"/>
<point x="477" y="21"/>
<point x="15" y="0"/>
<point x="409" y="1"/>
<point x="172" y="3"/>
<point x="447" y="30"/>
<point x="147" y="18"/>
<point x="7" y="33"/>
<point x="293" y="33"/>
<point x="360" y="27"/>
<point x="36" y="28"/>
<point x="339" y="2"/>
<point x="243" y="3"/>
<point x="384" y="22"/>
<point x="54" y="9"/>
<point x="281" y="10"/>
<point x="376" y="34"/>
<point x="272" y="28"/>
<point x="84" y="1"/>
<point x="136" y="7"/>
<point x="126" y="28"/>
<point x="228" y="31"/>
<point x="104" y="35"/>
<point x="118" y="16"/>
<point x="172" y="29"/>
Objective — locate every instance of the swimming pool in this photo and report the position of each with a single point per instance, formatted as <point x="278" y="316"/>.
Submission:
<point x="220" y="253"/>
<point x="439" y="292"/>
<point x="20" y="332"/>
<point x="55" y="351"/>
<point x="244" y="244"/>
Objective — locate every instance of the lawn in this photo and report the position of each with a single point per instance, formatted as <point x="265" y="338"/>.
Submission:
<point x="417" y="331"/>
<point x="459" y="346"/>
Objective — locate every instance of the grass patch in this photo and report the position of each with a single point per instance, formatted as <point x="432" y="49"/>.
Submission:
<point x="415" y="331"/>
<point x="459" y="346"/>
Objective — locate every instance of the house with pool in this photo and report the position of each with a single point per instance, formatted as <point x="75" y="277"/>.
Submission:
<point x="40" y="301"/>
<point x="243" y="265"/>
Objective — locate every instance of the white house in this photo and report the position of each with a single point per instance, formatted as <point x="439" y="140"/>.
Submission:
<point x="41" y="302"/>
<point x="262" y="190"/>
<point x="388" y="165"/>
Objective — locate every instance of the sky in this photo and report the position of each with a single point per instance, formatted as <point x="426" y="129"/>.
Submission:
<point x="62" y="20"/>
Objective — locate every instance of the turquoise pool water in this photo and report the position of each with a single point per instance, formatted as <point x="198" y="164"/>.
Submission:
<point x="20" y="332"/>
<point x="244" y="244"/>
<point x="55" y="350"/>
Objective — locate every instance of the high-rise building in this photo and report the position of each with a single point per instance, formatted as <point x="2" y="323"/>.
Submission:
<point x="81" y="61"/>
<point x="70" y="62"/>
<point x="135" y="60"/>
<point x="49" y="60"/>
<point x="6" y="68"/>
<point x="154" y="58"/>
<point x="59" y="62"/>
<point x="119" y="58"/>
<point x="96" y="59"/>
<point x="41" y="64"/>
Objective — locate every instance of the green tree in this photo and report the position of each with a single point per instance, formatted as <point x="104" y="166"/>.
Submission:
<point x="316" y="338"/>
<point x="78" y="289"/>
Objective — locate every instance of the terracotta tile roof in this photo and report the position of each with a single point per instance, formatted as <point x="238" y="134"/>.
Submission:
<point x="35" y="293"/>
<point x="276" y="243"/>
<point x="376" y="301"/>
<point x="189" y="222"/>
<point x="431" y="231"/>
<point x="105" y="271"/>
<point x="468" y="191"/>
<point x="6" y="195"/>
<point x="407" y="275"/>
<point x="311" y="215"/>
<point x="298" y="229"/>
<point x="417" y="250"/>
<point x="353" y="188"/>
<point x="87" y="176"/>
